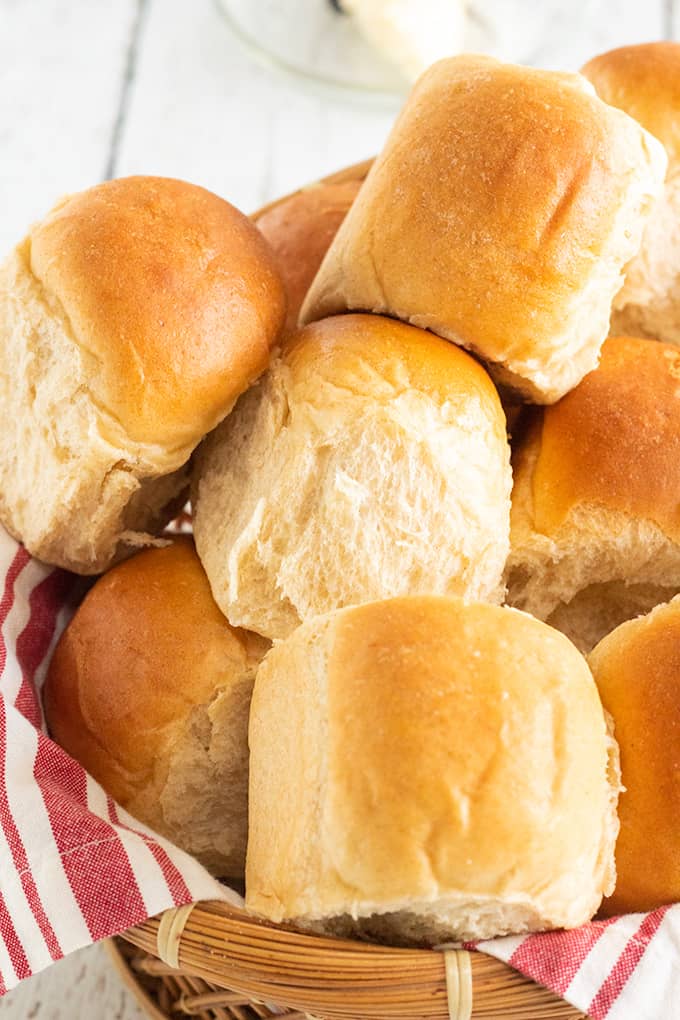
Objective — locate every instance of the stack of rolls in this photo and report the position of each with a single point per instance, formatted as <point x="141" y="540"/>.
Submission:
<point x="325" y="695"/>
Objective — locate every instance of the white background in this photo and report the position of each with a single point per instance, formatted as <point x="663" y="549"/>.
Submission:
<point x="98" y="88"/>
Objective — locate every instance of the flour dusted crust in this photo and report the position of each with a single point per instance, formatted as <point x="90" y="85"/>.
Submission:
<point x="500" y="215"/>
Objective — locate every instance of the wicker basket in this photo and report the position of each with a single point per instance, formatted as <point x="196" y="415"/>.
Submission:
<point x="216" y="962"/>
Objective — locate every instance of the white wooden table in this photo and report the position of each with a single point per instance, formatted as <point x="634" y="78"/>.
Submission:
<point x="99" y="88"/>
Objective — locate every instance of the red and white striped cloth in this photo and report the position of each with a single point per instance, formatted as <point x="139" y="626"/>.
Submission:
<point x="75" y="867"/>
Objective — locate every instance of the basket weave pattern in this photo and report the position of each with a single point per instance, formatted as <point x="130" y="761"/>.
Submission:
<point x="169" y="994"/>
<point x="329" y="978"/>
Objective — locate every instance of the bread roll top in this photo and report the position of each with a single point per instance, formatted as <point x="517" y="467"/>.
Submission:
<point x="408" y="679"/>
<point x="372" y="356"/>
<point x="172" y="295"/>
<point x="614" y="441"/>
<point x="643" y="80"/>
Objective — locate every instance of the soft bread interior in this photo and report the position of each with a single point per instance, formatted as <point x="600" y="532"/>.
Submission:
<point x="74" y="489"/>
<point x="598" y="609"/>
<point x="648" y="304"/>
<point x="600" y="569"/>
<point x="305" y="504"/>
<point x="424" y="923"/>
<point x="198" y="795"/>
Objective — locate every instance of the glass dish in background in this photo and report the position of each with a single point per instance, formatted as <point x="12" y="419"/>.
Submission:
<point x="313" y="42"/>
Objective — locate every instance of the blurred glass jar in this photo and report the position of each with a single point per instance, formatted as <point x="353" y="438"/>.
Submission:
<point x="314" y="41"/>
<point x="375" y="48"/>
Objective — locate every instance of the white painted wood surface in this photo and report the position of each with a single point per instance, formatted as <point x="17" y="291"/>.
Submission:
<point x="96" y="88"/>
<point x="84" y="986"/>
<point x="61" y="71"/>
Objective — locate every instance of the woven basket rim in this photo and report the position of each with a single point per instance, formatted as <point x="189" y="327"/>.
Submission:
<point x="319" y="974"/>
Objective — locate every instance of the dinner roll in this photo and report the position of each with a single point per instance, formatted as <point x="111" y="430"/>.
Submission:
<point x="595" y="532"/>
<point x="499" y="215"/>
<point x="637" y="669"/>
<point x="645" y="82"/>
<point x="370" y="461"/>
<point x="299" y="231"/>
<point x="131" y="318"/>
<point x="423" y="770"/>
<point x="149" y="689"/>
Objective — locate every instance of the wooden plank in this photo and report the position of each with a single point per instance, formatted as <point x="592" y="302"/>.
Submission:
<point x="203" y="110"/>
<point x="61" y="68"/>
<point x="83" y="986"/>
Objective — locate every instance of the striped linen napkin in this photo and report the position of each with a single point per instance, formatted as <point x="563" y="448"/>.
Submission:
<point x="75" y="867"/>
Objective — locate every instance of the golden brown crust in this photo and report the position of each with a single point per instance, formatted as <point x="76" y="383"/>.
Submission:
<point x="644" y="81"/>
<point x="172" y="291"/>
<point x="482" y="667"/>
<point x="637" y="670"/>
<point x="356" y="350"/>
<point x="445" y="739"/>
<point x="499" y="215"/>
<point x="300" y="230"/>
<point x="146" y="645"/>
<point x="614" y="441"/>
